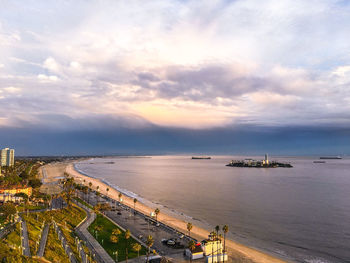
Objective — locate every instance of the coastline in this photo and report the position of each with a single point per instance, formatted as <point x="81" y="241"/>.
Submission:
<point x="235" y="249"/>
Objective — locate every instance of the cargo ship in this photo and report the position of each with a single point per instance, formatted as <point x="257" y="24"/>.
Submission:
<point x="201" y="157"/>
<point x="331" y="157"/>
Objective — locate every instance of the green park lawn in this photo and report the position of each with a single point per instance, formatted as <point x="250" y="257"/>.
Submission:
<point x="107" y="228"/>
<point x="83" y="202"/>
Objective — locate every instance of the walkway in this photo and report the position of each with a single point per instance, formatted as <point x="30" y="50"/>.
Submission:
<point x="24" y="239"/>
<point x="64" y="243"/>
<point x="100" y="255"/>
<point x="43" y="241"/>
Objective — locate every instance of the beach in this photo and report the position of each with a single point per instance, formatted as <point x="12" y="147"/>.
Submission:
<point x="239" y="252"/>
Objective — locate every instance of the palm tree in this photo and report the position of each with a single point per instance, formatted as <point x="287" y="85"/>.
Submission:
<point x="135" y="201"/>
<point x="107" y="189"/>
<point x="157" y="211"/>
<point x="213" y="234"/>
<point x="189" y="228"/>
<point x="114" y="239"/>
<point x="191" y="246"/>
<point x="127" y="236"/>
<point x="217" y="229"/>
<point x="90" y="184"/>
<point x="116" y="232"/>
<point x="98" y="194"/>
<point x="120" y="196"/>
<point x="149" y="243"/>
<point x="68" y="184"/>
<point x="137" y="247"/>
<point x="225" y="229"/>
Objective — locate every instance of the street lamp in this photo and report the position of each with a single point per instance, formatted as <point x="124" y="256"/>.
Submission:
<point x="116" y="255"/>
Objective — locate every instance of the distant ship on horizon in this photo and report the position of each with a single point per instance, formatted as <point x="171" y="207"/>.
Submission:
<point x="201" y="157"/>
<point x="331" y="157"/>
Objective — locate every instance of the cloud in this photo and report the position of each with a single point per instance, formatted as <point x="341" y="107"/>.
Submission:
<point x="45" y="78"/>
<point x="178" y="63"/>
<point x="12" y="89"/>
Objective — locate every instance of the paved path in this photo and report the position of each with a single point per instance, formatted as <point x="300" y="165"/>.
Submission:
<point x="100" y="254"/>
<point x="64" y="243"/>
<point x="43" y="241"/>
<point x="24" y="239"/>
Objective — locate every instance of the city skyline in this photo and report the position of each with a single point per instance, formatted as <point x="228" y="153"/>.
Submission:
<point x="94" y="72"/>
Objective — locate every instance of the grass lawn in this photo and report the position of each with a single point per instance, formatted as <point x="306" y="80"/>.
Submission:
<point x="83" y="202"/>
<point x="67" y="218"/>
<point x="105" y="233"/>
<point x="54" y="250"/>
<point x="10" y="250"/>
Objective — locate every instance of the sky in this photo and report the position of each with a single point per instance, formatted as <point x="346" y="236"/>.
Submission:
<point x="175" y="76"/>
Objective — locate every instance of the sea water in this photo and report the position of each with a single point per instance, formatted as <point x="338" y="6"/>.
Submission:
<point x="300" y="213"/>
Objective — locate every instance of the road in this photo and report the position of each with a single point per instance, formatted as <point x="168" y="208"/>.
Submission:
<point x="141" y="226"/>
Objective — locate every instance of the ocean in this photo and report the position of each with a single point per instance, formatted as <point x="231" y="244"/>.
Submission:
<point x="301" y="214"/>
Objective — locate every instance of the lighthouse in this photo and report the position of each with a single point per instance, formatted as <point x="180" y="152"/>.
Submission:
<point x="266" y="161"/>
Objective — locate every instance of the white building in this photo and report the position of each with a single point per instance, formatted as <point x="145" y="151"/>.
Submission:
<point x="7" y="157"/>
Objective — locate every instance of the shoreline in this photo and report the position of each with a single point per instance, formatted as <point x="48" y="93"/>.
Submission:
<point x="234" y="248"/>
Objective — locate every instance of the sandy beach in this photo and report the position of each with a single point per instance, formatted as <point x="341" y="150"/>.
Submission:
<point x="239" y="252"/>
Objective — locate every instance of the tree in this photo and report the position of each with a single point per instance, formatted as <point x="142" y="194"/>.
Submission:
<point x="120" y="196"/>
<point x="114" y="239"/>
<point x="217" y="229"/>
<point x="98" y="194"/>
<point x="189" y="228"/>
<point x="24" y="175"/>
<point x="98" y="228"/>
<point x="102" y="207"/>
<point x="157" y="211"/>
<point x="225" y="229"/>
<point x="149" y="243"/>
<point x="191" y="246"/>
<point x="8" y="209"/>
<point x="34" y="182"/>
<point x="135" y="201"/>
<point x="107" y="189"/>
<point x="116" y="231"/>
<point x="136" y="247"/>
<point x="68" y="186"/>
<point x="90" y="184"/>
<point x="23" y="195"/>
<point x="127" y="236"/>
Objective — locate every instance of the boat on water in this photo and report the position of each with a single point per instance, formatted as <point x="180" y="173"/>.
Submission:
<point x="319" y="161"/>
<point x="331" y="157"/>
<point x="201" y="157"/>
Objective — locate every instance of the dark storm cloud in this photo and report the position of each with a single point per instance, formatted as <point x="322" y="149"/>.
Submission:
<point x="90" y="138"/>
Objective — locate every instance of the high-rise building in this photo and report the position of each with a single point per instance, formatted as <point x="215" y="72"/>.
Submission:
<point x="7" y="157"/>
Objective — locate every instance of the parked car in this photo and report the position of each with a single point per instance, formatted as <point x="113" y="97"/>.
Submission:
<point x="170" y="242"/>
